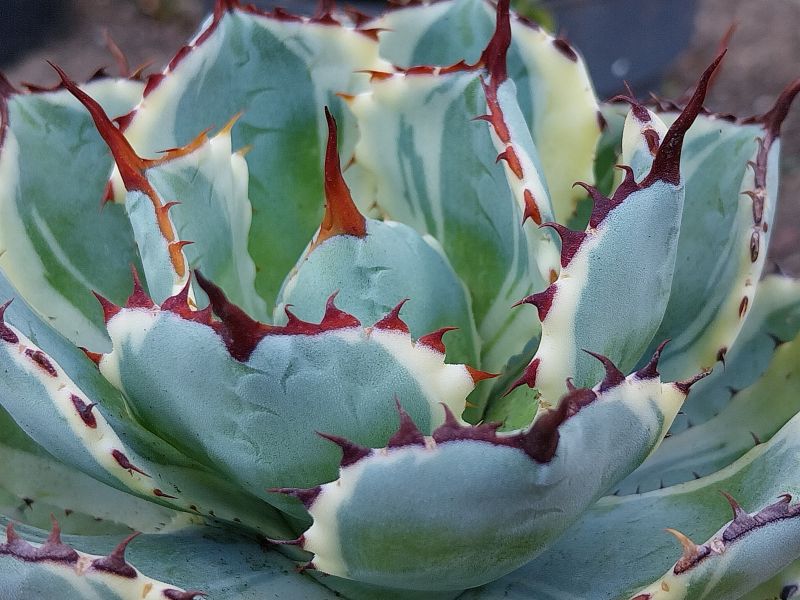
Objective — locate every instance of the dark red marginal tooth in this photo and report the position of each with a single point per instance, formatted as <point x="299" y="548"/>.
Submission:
<point x="179" y="303"/>
<point x="138" y="298"/>
<point x="667" y="162"/>
<point x="650" y="370"/>
<point x="293" y="322"/>
<point x="6" y="333"/>
<point x="392" y="321"/>
<point x="160" y="494"/>
<point x="115" y="562"/>
<point x="407" y="433"/>
<point x="758" y="198"/>
<point x="510" y="156"/>
<point x="41" y="360"/>
<point x="686" y="385"/>
<point x="543" y="301"/>
<point x="95" y="357"/>
<point x="627" y="186"/>
<point x="306" y="495"/>
<point x="478" y="375"/>
<point x="570" y="241"/>
<point x="335" y="318"/>
<point x="110" y="310"/>
<point x="531" y="208"/>
<point x="601" y="205"/>
<point x="637" y="108"/>
<point x="741" y="523"/>
<point x="54" y="549"/>
<point x="528" y="377"/>
<point x="351" y="452"/>
<point x="240" y="332"/>
<point x="126" y="464"/>
<point x="341" y="215"/>
<point x="613" y="376"/>
<point x="563" y="46"/>
<point x="451" y="430"/>
<point x="434" y="339"/>
<point x="540" y="442"/>
<point x="173" y="594"/>
<point x="775" y="116"/>
<point x="16" y="546"/>
<point x="84" y="410"/>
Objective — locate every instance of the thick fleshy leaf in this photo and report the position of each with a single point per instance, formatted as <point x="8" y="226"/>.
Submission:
<point x="214" y="213"/>
<point x="278" y="72"/>
<point x="734" y="560"/>
<point x="414" y="515"/>
<point x="625" y="255"/>
<point x="752" y="396"/>
<point x="224" y="565"/>
<point x="731" y="173"/>
<point x="373" y="267"/>
<point x="34" y="485"/>
<point x="57" y="242"/>
<point x="266" y="387"/>
<point x="636" y="551"/>
<point x="374" y="274"/>
<point x="415" y="126"/>
<point x="51" y="567"/>
<point x="553" y="87"/>
<point x="58" y="397"/>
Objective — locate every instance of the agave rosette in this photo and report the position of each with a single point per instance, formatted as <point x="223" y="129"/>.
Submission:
<point x="274" y="407"/>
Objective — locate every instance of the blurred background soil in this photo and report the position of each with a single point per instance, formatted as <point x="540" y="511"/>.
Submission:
<point x="764" y="57"/>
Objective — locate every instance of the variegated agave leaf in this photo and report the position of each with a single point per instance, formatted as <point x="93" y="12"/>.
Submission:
<point x="328" y="221"/>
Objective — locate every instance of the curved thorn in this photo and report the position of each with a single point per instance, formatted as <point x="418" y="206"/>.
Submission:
<point x="613" y="376"/>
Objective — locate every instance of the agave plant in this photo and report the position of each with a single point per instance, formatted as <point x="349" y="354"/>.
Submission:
<point x="275" y="419"/>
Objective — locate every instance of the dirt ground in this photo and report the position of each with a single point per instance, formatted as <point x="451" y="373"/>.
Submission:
<point x="764" y="56"/>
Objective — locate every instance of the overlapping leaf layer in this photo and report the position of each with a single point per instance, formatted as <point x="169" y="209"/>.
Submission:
<point x="266" y="308"/>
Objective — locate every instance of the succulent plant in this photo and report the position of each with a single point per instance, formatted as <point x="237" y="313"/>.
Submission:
<point x="273" y="406"/>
